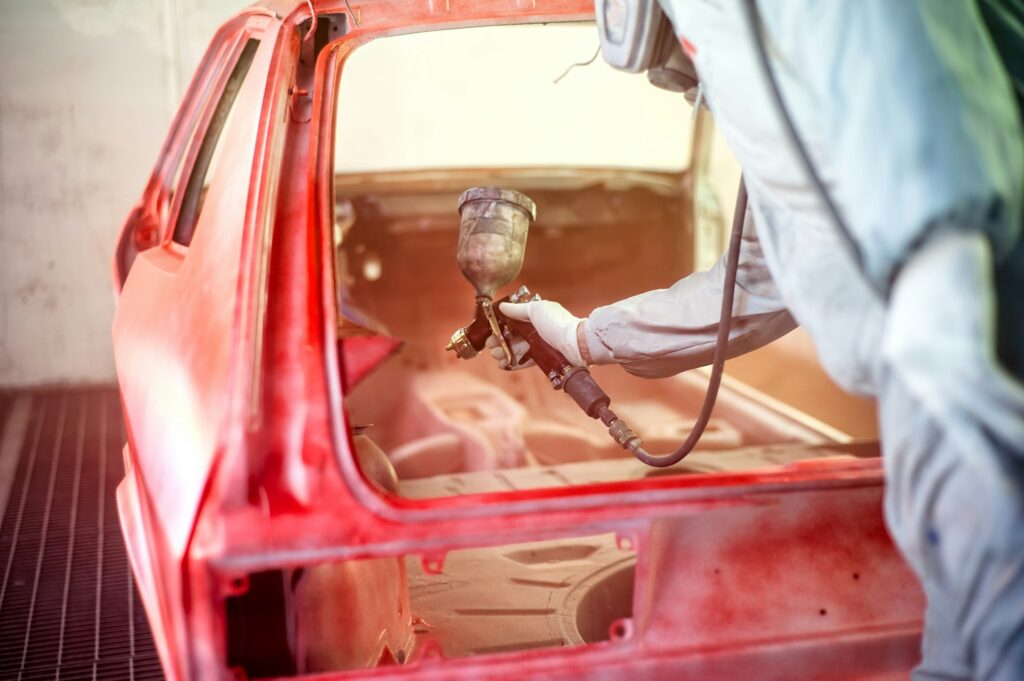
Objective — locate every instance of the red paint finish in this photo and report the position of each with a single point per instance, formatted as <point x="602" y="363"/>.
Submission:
<point x="360" y="355"/>
<point x="239" y="459"/>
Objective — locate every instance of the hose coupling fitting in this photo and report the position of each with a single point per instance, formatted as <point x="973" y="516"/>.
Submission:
<point x="623" y="435"/>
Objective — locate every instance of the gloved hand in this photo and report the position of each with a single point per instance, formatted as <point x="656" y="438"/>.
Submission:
<point x="556" y="325"/>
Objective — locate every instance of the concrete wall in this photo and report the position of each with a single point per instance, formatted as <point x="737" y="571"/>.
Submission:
<point x="87" y="91"/>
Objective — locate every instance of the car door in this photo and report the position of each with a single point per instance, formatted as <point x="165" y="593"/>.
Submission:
<point x="182" y="256"/>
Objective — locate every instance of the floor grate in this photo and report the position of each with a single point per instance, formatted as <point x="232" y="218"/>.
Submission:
<point x="68" y="604"/>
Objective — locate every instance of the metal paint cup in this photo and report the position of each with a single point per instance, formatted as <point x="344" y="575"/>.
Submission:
<point x="492" y="236"/>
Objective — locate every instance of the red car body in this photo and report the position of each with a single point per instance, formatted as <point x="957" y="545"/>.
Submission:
<point x="240" y="462"/>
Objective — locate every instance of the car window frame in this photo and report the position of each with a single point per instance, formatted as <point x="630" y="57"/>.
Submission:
<point x="592" y="498"/>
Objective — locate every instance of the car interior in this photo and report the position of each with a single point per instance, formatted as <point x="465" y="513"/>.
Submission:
<point x="625" y="218"/>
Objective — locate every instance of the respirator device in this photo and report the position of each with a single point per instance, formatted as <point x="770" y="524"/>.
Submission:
<point x="636" y="36"/>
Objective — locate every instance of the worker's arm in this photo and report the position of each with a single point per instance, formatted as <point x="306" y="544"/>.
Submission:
<point x="664" y="332"/>
<point x="667" y="331"/>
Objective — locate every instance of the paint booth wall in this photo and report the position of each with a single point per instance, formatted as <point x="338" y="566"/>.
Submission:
<point x="87" y="91"/>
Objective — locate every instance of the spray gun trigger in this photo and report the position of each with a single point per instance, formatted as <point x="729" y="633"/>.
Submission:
<point x="492" y="322"/>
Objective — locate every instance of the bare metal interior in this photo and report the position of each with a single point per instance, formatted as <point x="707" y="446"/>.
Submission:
<point x="449" y="426"/>
<point x="479" y="601"/>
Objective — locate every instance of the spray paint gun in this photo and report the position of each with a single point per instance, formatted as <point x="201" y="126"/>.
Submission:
<point x="492" y="244"/>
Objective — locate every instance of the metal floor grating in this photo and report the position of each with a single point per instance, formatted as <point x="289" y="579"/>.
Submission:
<point x="68" y="604"/>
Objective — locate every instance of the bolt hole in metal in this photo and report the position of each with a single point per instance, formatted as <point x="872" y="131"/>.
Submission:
<point x="621" y="630"/>
<point x="372" y="269"/>
<point x="604" y="612"/>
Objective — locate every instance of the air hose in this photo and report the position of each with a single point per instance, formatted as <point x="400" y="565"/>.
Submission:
<point x="756" y="26"/>
<point x="732" y="262"/>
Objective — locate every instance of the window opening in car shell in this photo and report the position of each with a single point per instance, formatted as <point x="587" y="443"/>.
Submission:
<point x="421" y="117"/>
<point x="486" y="97"/>
<point x="210" y="148"/>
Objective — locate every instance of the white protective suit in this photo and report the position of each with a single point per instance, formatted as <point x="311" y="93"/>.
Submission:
<point x="910" y="119"/>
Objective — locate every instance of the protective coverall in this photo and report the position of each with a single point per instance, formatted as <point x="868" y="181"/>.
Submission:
<point x="910" y="119"/>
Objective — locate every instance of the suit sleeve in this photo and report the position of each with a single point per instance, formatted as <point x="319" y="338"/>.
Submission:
<point x="667" y="331"/>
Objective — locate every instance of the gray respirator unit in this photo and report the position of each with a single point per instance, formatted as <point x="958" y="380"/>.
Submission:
<point x="637" y="36"/>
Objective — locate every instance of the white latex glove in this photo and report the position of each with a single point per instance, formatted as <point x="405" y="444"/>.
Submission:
<point x="556" y="325"/>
